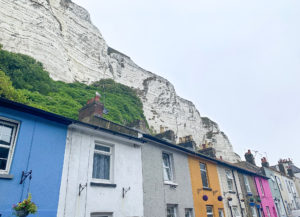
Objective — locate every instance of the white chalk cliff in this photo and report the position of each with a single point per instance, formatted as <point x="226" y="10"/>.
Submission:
<point x="59" y="34"/>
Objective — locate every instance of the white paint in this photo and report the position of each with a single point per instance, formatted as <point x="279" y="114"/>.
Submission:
<point x="77" y="169"/>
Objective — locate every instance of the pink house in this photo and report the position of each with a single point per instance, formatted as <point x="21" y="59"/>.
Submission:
<point x="267" y="202"/>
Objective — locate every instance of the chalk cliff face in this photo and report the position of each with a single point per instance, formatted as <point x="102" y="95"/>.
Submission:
<point x="59" y="34"/>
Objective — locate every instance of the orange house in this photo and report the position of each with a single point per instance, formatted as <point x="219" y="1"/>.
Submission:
<point x="206" y="189"/>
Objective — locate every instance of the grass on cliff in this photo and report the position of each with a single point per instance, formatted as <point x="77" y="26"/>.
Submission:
<point x="24" y="80"/>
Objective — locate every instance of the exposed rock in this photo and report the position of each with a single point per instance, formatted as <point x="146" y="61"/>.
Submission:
<point x="60" y="34"/>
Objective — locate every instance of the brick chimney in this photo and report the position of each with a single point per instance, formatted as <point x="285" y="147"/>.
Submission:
<point x="281" y="166"/>
<point x="250" y="158"/>
<point x="290" y="172"/>
<point x="93" y="108"/>
<point x="187" y="142"/>
<point x="264" y="162"/>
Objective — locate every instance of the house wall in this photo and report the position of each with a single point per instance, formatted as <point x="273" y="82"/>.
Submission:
<point x="199" y="192"/>
<point x="275" y="192"/>
<point x="292" y="196"/>
<point x="157" y="194"/>
<point x="236" y="194"/>
<point x="78" y="168"/>
<point x="40" y="147"/>
<point x="247" y="196"/>
<point x="266" y="197"/>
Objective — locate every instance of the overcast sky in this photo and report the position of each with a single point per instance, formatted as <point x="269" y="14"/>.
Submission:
<point x="237" y="61"/>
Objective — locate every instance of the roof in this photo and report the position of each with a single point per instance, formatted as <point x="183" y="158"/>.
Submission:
<point x="295" y="169"/>
<point x="146" y="137"/>
<point x="56" y="118"/>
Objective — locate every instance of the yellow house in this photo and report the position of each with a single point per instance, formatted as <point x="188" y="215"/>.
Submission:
<point x="206" y="189"/>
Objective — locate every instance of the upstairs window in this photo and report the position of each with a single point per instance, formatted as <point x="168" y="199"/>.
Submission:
<point x="209" y="211"/>
<point x="229" y="179"/>
<point x="246" y="180"/>
<point x="279" y="183"/>
<point x="167" y="166"/>
<point x="100" y="214"/>
<point x="102" y="162"/>
<point x="204" y="176"/>
<point x="274" y="182"/>
<point x="7" y="141"/>
<point x="261" y="188"/>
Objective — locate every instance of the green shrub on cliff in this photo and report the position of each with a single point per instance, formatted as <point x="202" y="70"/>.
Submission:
<point x="24" y="80"/>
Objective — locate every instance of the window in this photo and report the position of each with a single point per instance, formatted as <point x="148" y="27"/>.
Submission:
<point x="7" y="141"/>
<point x="171" y="210"/>
<point x="229" y="180"/>
<point x="253" y="211"/>
<point x="261" y="188"/>
<point x="279" y="182"/>
<point x="98" y="214"/>
<point x="189" y="212"/>
<point x="204" y="175"/>
<point x="221" y="212"/>
<point x="274" y="182"/>
<point x="248" y="189"/>
<point x="235" y="211"/>
<point x="167" y="165"/>
<point x="268" y="211"/>
<point x="209" y="211"/>
<point x="288" y="186"/>
<point x="102" y="162"/>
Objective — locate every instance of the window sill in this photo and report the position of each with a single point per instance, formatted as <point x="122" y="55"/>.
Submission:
<point x="107" y="185"/>
<point x="207" y="189"/>
<point x="6" y="176"/>
<point x="231" y="192"/>
<point x="170" y="183"/>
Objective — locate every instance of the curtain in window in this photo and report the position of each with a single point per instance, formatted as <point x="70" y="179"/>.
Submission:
<point x="101" y="166"/>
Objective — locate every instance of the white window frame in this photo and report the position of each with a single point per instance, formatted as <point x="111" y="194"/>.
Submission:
<point x="288" y="186"/>
<point x="268" y="211"/>
<point x="15" y="125"/>
<point x="212" y="211"/>
<point x="170" y="167"/>
<point x="229" y="179"/>
<point x="188" y="212"/>
<point x="253" y="211"/>
<point x="221" y="210"/>
<point x="274" y="182"/>
<point x="172" y="206"/>
<point x="247" y="184"/>
<point x="236" y="212"/>
<point x="206" y="174"/>
<point x="279" y="183"/>
<point x="110" y="154"/>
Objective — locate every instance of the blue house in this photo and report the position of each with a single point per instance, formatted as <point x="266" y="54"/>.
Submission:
<point x="32" y="147"/>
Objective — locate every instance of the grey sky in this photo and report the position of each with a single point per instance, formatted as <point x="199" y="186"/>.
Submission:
<point x="238" y="61"/>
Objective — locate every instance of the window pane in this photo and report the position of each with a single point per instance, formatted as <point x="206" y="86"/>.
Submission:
<point x="4" y="152"/>
<point x="3" y="164"/>
<point x="209" y="211"/>
<point x="204" y="175"/>
<point x="101" y="166"/>
<point x="188" y="212"/>
<point x="221" y="214"/>
<point x="167" y="167"/>
<point x="171" y="211"/>
<point x="5" y="134"/>
<point x="102" y="148"/>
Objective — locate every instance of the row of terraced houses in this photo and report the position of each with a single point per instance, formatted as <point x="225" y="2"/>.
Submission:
<point x="97" y="168"/>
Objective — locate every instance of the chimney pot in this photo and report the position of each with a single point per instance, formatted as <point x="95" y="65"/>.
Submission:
<point x="250" y="158"/>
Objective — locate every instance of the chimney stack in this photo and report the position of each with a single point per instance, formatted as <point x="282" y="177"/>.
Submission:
<point x="168" y="135"/>
<point x="290" y="172"/>
<point x="264" y="162"/>
<point x="250" y="158"/>
<point x="93" y="108"/>
<point x="187" y="142"/>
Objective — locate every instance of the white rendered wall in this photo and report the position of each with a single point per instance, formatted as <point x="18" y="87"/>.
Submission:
<point x="78" y="165"/>
<point x="226" y="193"/>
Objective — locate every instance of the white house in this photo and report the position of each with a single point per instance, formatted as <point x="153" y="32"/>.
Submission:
<point x="102" y="172"/>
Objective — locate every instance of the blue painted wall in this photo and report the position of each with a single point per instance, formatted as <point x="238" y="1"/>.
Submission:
<point x="40" y="147"/>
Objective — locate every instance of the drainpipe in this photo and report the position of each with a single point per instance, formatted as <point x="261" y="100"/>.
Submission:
<point x="238" y="195"/>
